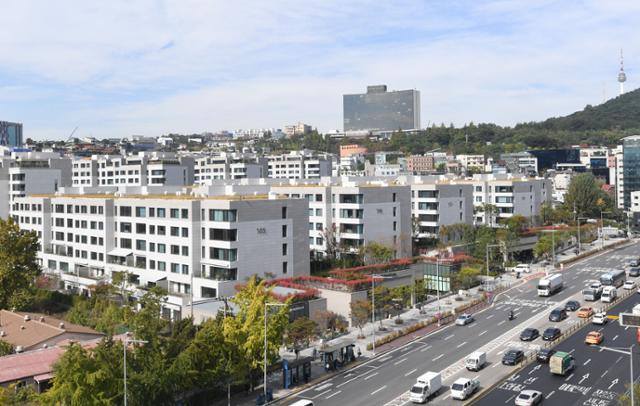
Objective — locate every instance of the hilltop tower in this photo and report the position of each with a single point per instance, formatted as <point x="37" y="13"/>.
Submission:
<point x="622" y="77"/>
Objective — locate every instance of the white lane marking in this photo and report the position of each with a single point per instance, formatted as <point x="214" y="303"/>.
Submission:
<point x="587" y="361"/>
<point x="461" y="344"/>
<point x="321" y="387"/>
<point x="449" y="337"/>
<point x="550" y="393"/>
<point x="569" y="377"/>
<point x="501" y="323"/>
<point x="400" y="361"/>
<point x="383" y="359"/>
<point x="490" y="316"/>
<point x="425" y="348"/>
<point x="495" y="365"/>
<point x="346" y="382"/>
<point x="405" y="349"/>
<point x="378" y="390"/>
<point x="472" y="325"/>
<point x="371" y="376"/>
<point x="320" y="394"/>
<point x="615" y="338"/>
<point x="333" y="394"/>
<point x="437" y="358"/>
<point x="483" y="333"/>
<point x="605" y="372"/>
<point x="446" y="397"/>
<point x="410" y="372"/>
<point x="510" y="399"/>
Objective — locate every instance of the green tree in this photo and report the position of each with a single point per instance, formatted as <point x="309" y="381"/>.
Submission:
<point x="245" y="331"/>
<point x="360" y="313"/>
<point x="625" y="400"/>
<point x="148" y="322"/>
<point x="467" y="277"/>
<point x="376" y="253"/>
<point x="543" y="247"/>
<point x="18" y="264"/>
<point x="5" y="349"/>
<point x="585" y="196"/>
<point x="300" y="333"/>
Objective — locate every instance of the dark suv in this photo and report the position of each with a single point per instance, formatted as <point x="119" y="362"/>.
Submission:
<point x="512" y="357"/>
<point x="557" y="314"/>
<point x="551" y="334"/>
<point x="529" y="334"/>
<point x="572" y="305"/>
<point x="544" y="355"/>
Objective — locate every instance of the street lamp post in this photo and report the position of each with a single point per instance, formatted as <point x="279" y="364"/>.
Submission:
<point x="266" y="306"/>
<point x="438" y="286"/>
<point x="124" y="354"/>
<point x="630" y="354"/>
<point x="579" y="242"/>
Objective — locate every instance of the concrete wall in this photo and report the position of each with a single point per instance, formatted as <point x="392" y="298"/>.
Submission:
<point x="340" y="302"/>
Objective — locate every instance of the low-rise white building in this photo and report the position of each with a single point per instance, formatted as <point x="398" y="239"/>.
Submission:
<point x="195" y="246"/>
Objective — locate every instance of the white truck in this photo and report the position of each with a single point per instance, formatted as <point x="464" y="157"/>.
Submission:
<point x="462" y="388"/>
<point x="593" y="292"/>
<point x="426" y="386"/>
<point x="549" y="285"/>
<point x="609" y="294"/>
<point x="476" y="360"/>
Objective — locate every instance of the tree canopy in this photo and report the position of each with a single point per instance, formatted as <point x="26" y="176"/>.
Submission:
<point x="18" y="264"/>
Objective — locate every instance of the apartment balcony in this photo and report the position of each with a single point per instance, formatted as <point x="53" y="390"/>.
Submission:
<point x="60" y="250"/>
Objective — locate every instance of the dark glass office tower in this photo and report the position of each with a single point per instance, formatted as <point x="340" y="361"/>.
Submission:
<point x="379" y="110"/>
<point x="10" y="134"/>
<point x="631" y="167"/>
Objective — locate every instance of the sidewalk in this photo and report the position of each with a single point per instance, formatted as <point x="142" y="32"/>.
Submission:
<point x="409" y="317"/>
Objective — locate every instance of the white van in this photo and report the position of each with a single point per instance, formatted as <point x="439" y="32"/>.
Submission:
<point x="476" y="360"/>
<point x="303" y="402"/>
<point x="609" y="294"/>
<point x="522" y="268"/>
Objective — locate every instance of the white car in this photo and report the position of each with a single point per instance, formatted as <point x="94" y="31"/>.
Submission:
<point x="595" y="285"/>
<point x="600" y="318"/>
<point x="525" y="268"/>
<point x="529" y="398"/>
<point x="629" y="285"/>
<point x="464" y="319"/>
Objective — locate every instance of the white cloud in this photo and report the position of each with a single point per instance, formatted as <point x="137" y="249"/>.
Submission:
<point x="122" y="67"/>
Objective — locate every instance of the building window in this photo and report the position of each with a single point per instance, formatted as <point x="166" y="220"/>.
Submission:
<point x="161" y="213"/>
<point x="284" y="249"/>
<point x="141" y="212"/>
<point x="125" y="211"/>
<point x="125" y="227"/>
<point x="223" y="254"/>
<point x="162" y="248"/>
<point x="185" y="251"/>
<point x="185" y="232"/>
<point x="162" y="230"/>
<point x="219" y="234"/>
<point x="175" y="250"/>
<point x="175" y="268"/>
<point x="284" y="212"/>
<point x="222" y="215"/>
<point x="141" y="228"/>
<point x="162" y="266"/>
<point x="285" y="267"/>
<point x="185" y="269"/>
<point x="284" y="231"/>
<point x="141" y="245"/>
<point x="125" y="243"/>
<point x="175" y="231"/>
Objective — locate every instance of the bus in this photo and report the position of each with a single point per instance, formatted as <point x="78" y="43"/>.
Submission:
<point x="616" y="278"/>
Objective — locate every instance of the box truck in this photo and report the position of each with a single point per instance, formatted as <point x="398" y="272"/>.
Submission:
<point x="426" y="386"/>
<point x="549" y="285"/>
<point x="561" y="363"/>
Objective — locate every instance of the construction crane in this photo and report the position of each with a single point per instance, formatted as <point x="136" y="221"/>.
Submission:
<point x="71" y="135"/>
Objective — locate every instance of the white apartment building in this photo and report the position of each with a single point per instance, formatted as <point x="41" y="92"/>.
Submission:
<point x="471" y="161"/>
<point x="355" y="212"/>
<point x="226" y="167"/>
<point x="160" y="169"/>
<point x="509" y="195"/>
<point x="193" y="245"/>
<point x="437" y="202"/>
<point x="298" y="165"/>
<point x="27" y="173"/>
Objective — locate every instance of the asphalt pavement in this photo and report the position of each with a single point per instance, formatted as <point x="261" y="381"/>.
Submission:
<point x="385" y="380"/>
<point x="598" y="379"/>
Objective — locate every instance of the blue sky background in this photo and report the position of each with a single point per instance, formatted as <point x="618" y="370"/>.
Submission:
<point x="151" y="67"/>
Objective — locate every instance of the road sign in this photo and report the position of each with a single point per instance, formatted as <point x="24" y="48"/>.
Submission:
<point x="629" y="320"/>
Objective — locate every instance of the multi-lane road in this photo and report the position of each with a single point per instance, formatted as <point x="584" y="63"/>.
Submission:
<point x="386" y="379"/>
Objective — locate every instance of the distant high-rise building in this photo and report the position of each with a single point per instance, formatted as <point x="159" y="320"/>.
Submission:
<point x="379" y="110"/>
<point x="10" y="134"/>
<point x="630" y="181"/>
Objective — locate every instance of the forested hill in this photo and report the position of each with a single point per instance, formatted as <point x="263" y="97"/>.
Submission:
<point x="622" y="112"/>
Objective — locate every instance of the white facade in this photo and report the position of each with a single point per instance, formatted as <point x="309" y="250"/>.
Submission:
<point x="471" y="161"/>
<point x="179" y="242"/>
<point x="296" y="165"/>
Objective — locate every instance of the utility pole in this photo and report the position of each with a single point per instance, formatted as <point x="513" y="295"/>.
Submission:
<point x="631" y="380"/>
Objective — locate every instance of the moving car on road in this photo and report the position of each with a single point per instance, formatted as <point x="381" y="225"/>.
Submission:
<point x="609" y="294"/>
<point x="426" y="386"/>
<point x="476" y="360"/>
<point x="633" y="262"/>
<point x="561" y="363"/>
<point x="526" y="268"/>
<point x="464" y="319"/>
<point x="551" y="333"/>
<point x="529" y="398"/>
<point x="512" y="357"/>
<point x="544" y="355"/>
<point x="628" y="285"/>
<point x="585" y="312"/>
<point x="594" y="338"/>
<point x="557" y="314"/>
<point x="600" y="319"/>
<point x="572" y="305"/>
<point x="634" y="272"/>
<point x="462" y="388"/>
<point x="529" y="334"/>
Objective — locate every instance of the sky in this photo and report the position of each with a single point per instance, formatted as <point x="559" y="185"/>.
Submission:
<point x="151" y="67"/>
